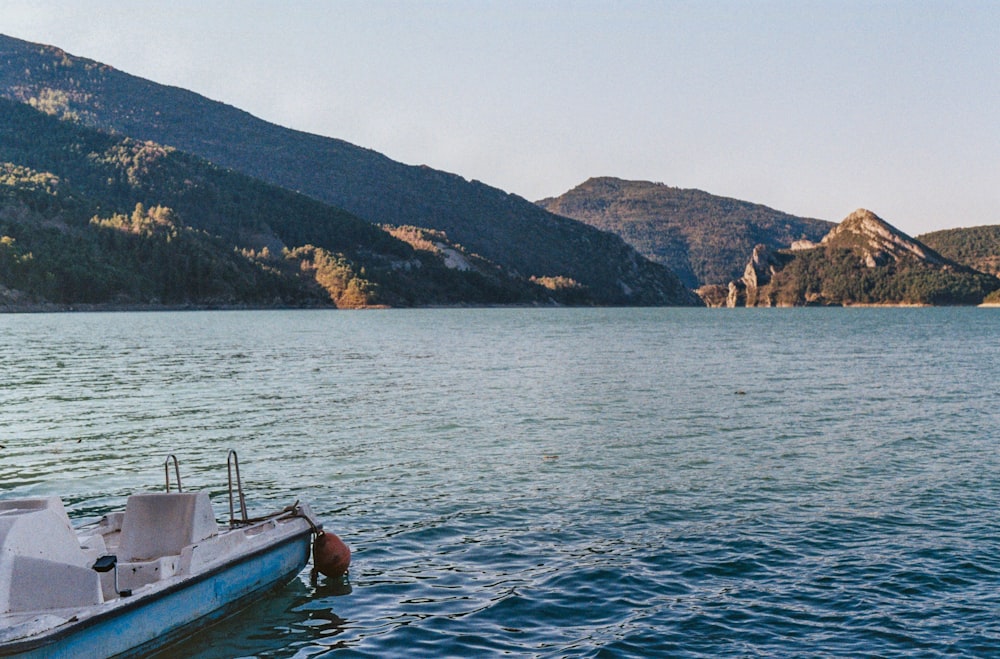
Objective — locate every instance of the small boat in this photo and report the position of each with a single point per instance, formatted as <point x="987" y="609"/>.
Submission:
<point x="148" y="576"/>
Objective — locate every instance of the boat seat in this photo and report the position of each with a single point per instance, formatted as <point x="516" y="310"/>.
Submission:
<point x="42" y="565"/>
<point x="163" y="523"/>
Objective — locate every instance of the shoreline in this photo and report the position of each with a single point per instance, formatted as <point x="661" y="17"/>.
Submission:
<point x="38" y="308"/>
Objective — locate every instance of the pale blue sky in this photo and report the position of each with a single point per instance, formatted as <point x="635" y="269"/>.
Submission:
<point x="814" y="108"/>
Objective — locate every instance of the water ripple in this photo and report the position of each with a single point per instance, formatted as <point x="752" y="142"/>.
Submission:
<point x="551" y="483"/>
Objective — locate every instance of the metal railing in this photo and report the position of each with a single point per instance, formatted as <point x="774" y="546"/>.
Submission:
<point x="233" y="461"/>
<point x="177" y="471"/>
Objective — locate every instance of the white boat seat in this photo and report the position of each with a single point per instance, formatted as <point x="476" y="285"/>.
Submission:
<point x="162" y="524"/>
<point x="42" y="565"/>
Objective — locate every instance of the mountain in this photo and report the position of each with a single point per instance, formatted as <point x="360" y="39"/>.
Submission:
<point x="704" y="238"/>
<point x="863" y="260"/>
<point x="87" y="217"/>
<point x="510" y="231"/>
<point x="976" y="247"/>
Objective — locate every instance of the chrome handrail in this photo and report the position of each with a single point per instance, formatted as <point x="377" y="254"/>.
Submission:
<point x="232" y="460"/>
<point x="177" y="471"/>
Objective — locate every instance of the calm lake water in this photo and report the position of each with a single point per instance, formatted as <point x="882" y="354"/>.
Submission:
<point x="557" y="482"/>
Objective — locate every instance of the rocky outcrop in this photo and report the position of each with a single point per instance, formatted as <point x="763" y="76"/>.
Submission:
<point x="714" y="295"/>
<point x="751" y="289"/>
<point x="878" y="241"/>
<point x="863" y="260"/>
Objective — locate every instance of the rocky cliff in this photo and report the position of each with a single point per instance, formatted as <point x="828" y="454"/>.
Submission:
<point x="877" y="241"/>
<point x="753" y="288"/>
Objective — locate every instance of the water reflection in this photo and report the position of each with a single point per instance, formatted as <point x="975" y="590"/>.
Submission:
<point x="277" y="625"/>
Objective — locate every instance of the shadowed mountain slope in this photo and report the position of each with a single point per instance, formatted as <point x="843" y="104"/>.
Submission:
<point x="501" y="227"/>
<point x="88" y="217"/>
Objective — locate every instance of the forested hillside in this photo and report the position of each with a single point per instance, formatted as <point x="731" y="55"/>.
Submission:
<point x="92" y="218"/>
<point x="564" y="254"/>
<point x="976" y="247"/>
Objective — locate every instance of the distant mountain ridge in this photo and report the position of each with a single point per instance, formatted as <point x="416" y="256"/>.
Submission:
<point x="702" y="237"/>
<point x="501" y="227"/>
<point x="862" y="261"/>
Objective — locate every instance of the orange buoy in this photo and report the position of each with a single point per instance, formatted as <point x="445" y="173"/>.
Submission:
<point x="330" y="555"/>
